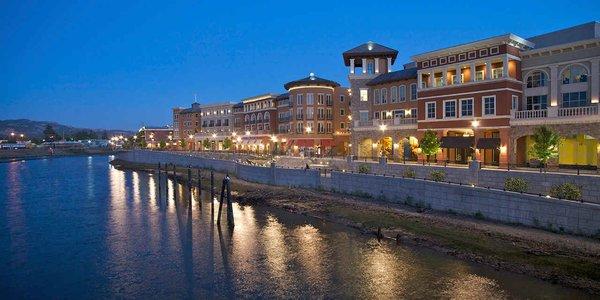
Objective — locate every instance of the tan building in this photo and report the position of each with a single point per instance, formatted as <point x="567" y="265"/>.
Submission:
<point x="216" y="125"/>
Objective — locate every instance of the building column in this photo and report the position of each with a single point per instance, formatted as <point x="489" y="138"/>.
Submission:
<point x="432" y="78"/>
<point x="376" y="65"/>
<point x="352" y="66"/>
<point x="488" y="70"/>
<point x="505" y="145"/>
<point x="420" y="80"/>
<point x="389" y="64"/>
<point x="364" y="65"/>
<point x="553" y="85"/>
<point x="505" y="66"/>
<point x="472" y="68"/>
<point x="595" y="80"/>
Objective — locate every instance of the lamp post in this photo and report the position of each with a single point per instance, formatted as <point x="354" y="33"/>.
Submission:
<point x="475" y="124"/>
<point x="308" y="131"/>
<point x="383" y="127"/>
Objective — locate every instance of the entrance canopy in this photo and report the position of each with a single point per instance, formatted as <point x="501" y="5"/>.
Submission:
<point x="457" y="142"/>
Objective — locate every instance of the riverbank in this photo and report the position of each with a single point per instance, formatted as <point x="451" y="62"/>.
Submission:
<point x="568" y="260"/>
<point x="39" y="153"/>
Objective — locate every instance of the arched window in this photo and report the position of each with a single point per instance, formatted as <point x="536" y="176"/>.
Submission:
<point x="267" y="116"/>
<point x="394" y="94"/>
<point x="574" y="74"/>
<point x="246" y="118"/>
<point x="253" y="118"/>
<point x="259" y="117"/>
<point x="536" y="79"/>
<point x="402" y="93"/>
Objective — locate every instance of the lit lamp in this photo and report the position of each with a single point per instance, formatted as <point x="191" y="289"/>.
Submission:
<point x="308" y="130"/>
<point x="373" y="151"/>
<point x="475" y="124"/>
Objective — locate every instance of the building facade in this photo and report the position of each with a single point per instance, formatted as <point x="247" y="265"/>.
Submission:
<point x="155" y="136"/>
<point x="483" y="99"/>
<point x="217" y="126"/>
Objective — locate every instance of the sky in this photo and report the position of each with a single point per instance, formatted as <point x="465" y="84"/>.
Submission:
<point x="123" y="64"/>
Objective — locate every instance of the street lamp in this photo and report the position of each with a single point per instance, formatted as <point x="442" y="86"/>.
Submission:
<point x="383" y="127"/>
<point x="373" y="151"/>
<point x="475" y="124"/>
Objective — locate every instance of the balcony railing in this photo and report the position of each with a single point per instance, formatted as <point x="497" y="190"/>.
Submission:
<point x="556" y="112"/>
<point x="578" y="111"/>
<point x="531" y="114"/>
<point x="387" y="122"/>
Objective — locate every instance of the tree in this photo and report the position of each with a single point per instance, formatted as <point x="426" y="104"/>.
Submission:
<point x="429" y="143"/>
<point x="545" y="144"/>
<point x="49" y="133"/>
<point x="162" y="144"/>
<point x="182" y="144"/>
<point x="227" y="143"/>
<point x="206" y="144"/>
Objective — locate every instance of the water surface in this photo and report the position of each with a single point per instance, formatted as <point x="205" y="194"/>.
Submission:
<point x="76" y="227"/>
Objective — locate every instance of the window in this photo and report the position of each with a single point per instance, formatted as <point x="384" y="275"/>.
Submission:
<point x="438" y="81"/>
<point x="574" y="74"/>
<point x="342" y="125"/>
<point x="328" y="100"/>
<point x="364" y="95"/>
<point x="479" y="75"/>
<point x="299" y="127"/>
<point x="394" y="94"/>
<point x="342" y="112"/>
<point x="466" y="107"/>
<point x="267" y="116"/>
<point x="576" y="99"/>
<point x="497" y="73"/>
<point x="320" y="99"/>
<point x="450" y="109"/>
<point x="384" y="96"/>
<point x="299" y="114"/>
<point x="514" y="102"/>
<point x="299" y="99"/>
<point x="536" y="79"/>
<point x="376" y="115"/>
<point x="370" y="68"/>
<point x="413" y="91"/>
<point x="399" y="114"/>
<point x="489" y="105"/>
<point x="377" y="96"/>
<point x="402" y="93"/>
<point x="342" y="98"/>
<point x="536" y="102"/>
<point x="455" y="79"/>
<point x="320" y="127"/>
<point x="309" y="113"/>
<point x="430" y="107"/>
<point x="413" y="112"/>
<point x="329" y="127"/>
<point x="310" y="99"/>
<point x="363" y="115"/>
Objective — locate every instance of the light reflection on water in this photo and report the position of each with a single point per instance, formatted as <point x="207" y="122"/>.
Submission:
<point x="74" y="227"/>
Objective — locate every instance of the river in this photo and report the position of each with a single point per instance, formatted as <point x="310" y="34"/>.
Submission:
<point x="75" y="227"/>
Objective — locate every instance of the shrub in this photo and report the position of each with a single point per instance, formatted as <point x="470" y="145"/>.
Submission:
<point x="409" y="173"/>
<point x="479" y="215"/>
<point x="567" y="191"/>
<point x="515" y="184"/>
<point x="437" y="175"/>
<point x="364" y="168"/>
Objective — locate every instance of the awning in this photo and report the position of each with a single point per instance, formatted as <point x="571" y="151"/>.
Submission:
<point x="488" y="143"/>
<point x="305" y="142"/>
<point x="457" y="142"/>
<point x="326" y="143"/>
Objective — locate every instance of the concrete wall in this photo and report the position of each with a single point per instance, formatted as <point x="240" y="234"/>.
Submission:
<point x="570" y="216"/>
<point x="576" y="217"/>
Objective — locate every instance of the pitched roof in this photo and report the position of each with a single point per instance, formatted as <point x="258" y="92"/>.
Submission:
<point x="405" y="74"/>
<point x="369" y="49"/>
<point x="191" y="110"/>
<point x="311" y="80"/>
<point x="580" y="32"/>
<point x="283" y="96"/>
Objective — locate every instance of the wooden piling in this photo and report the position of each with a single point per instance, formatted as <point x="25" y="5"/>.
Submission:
<point x="230" y="220"/>
<point x="379" y="235"/>
<point x="166" y="184"/>
<point x="158" y="179"/>
<point x="398" y="239"/>
<point x="199" y="187"/>
<point x="212" y="191"/>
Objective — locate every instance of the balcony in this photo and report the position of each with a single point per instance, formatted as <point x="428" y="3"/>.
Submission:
<point x="555" y="115"/>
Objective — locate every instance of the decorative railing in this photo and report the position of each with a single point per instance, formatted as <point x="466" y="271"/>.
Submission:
<point x="530" y="114"/>
<point x="578" y="111"/>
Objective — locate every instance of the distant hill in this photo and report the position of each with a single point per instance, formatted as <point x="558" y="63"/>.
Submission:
<point x="34" y="129"/>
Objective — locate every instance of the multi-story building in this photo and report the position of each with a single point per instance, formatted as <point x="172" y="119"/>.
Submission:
<point x="312" y="116"/>
<point x="217" y="124"/>
<point x="260" y="122"/>
<point x="186" y="122"/>
<point x="483" y="99"/>
<point x="154" y="136"/>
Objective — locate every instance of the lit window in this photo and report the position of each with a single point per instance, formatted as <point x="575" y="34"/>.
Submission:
<point x="536" y="102"/>
<point x="574" y="74"/>
<point x="364" y="95"/>
<point x="413" y="91"/>
<point x="576" y="99"/>
<point x="536" y="79"/>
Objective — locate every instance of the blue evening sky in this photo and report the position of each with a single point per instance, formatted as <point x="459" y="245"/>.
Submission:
<point x="121" y="64"/>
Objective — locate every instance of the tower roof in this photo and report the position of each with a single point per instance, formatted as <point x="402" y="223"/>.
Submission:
<point x="405" y="74"/>
<point x="311" y="80"/>
<point x="368" y="50"/>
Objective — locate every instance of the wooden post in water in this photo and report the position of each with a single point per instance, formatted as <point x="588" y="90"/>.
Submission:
<point x="230" y="221"/>
<point x="190" y="180"/>
<point x="166" y="184"/>
<point x="175" y="182"/>
<point x="226" y="192"/>
<point x="158" y="179"/>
